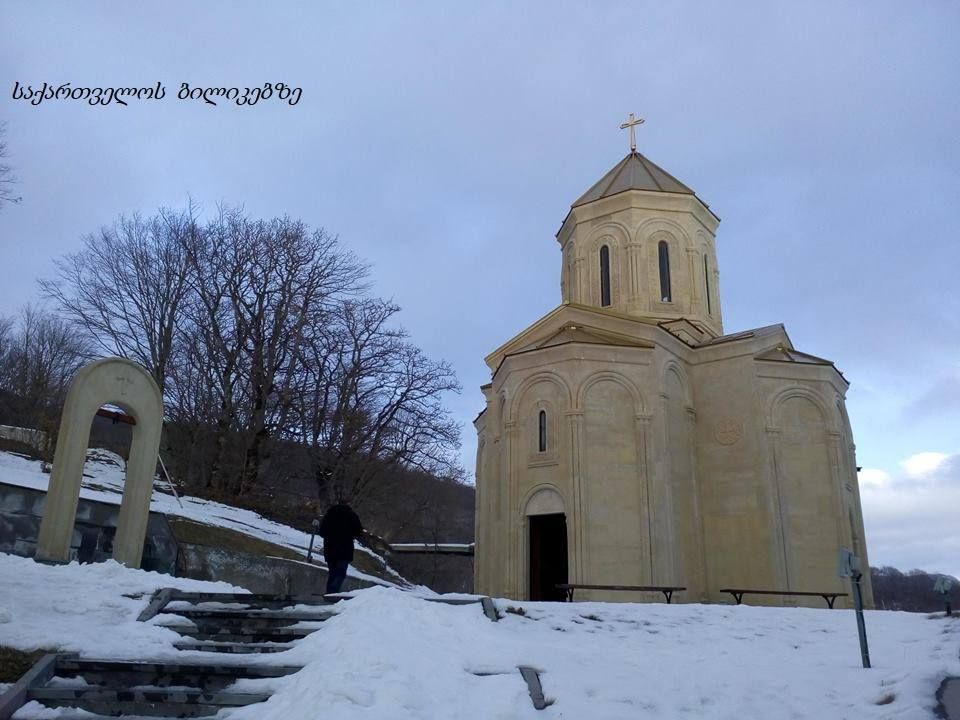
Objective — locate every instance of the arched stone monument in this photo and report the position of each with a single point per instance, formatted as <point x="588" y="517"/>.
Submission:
<point x="128" y="385"/>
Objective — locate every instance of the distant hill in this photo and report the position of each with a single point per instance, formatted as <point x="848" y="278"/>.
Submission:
<point x="911" y="591"/>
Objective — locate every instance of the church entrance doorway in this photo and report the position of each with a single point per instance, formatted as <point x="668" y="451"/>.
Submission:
<point x="548" y="556"/>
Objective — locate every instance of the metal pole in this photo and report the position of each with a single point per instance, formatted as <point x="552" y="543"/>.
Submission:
<point x="313" y="533"/>
<point x="861" y="628"/>
<point x="169" y="481"/>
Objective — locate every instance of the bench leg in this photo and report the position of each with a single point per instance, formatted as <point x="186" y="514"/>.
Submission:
<point x="668" y="594"/>
<point x="831" y="599"/>
<point x="738" y="597"/>
<point x="569" y="594"/>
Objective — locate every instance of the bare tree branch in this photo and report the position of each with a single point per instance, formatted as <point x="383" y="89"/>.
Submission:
<point x="126" y="288"/>
<point x="7" y="178"/>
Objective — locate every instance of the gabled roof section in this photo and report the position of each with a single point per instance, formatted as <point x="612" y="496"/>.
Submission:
<point x="689" y="332"/>
<point x="588" y="335"/>
<point x="572" y="323"/>
<point x="634" y="172"/>
<point x="760" y="332"/>
<point x="785" y="354"/>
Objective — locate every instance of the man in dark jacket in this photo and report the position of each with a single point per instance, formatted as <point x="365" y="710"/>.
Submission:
<point x="340" y="525"/>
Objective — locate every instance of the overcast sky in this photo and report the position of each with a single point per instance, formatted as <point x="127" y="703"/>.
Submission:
<point x="444" y="143"/>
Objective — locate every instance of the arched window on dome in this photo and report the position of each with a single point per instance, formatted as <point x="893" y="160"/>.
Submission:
<point x="604" y="276"/>
<point x="706" y="284"/>
<point x="542" y="428"/>
<point x="664" y="254"/>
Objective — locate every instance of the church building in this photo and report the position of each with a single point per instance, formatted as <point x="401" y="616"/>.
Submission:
<point x="627" y="440"/>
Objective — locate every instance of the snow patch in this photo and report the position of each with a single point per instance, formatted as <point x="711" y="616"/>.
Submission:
<point x="103" y="477"/>
<point x="86" y="608"/>
<point x="387" y="653"/>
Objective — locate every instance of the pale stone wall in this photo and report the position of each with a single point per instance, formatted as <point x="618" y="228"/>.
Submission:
<point x="631" y="225"/>
<point x="735" y="470"/>
<point x="615" y="524"/>
<point x="702" y="467"/>
<point x="676" y="459"/>
<point x="37" y="439"/>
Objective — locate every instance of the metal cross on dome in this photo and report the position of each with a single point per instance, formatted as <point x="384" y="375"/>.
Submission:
<point x="631" y="123"/>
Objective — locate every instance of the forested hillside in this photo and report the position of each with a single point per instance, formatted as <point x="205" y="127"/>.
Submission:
<point x="287" y="383"/>
<point x="911" y="591"/>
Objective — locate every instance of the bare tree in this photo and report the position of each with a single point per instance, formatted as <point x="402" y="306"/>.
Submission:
<point x="126" y="287"/>
<point x="7" y="179"/>
<point x="293" y="283"/>
<point x="193" y="408"/>
<point x="259" y="287"/>
<point x="214" y="351"/>
<point x="6" y="341"/>
<point x="48" y="352"/>
<point x="43" y="354"/>
<point x="375" y="404"/>
<point x="261" y="336"/>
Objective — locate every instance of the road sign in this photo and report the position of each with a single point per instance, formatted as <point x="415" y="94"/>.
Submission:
<point x="848" y="564"/>
<point x="943" y="585"/>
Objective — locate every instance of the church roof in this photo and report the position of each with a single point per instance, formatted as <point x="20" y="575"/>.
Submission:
<point x="585" y="334"/>
<point x="634" y="172"/>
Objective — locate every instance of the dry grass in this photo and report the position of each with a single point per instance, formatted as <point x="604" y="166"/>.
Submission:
<point x="14" y="663"/>
<point x="194" y="533"/>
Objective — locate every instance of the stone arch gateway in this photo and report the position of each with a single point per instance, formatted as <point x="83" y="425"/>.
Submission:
<point x="128" y="385"/>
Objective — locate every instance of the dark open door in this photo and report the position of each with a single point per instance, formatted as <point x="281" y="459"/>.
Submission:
<point x="548" y="556"/>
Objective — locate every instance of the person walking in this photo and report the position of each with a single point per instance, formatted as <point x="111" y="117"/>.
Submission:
<point x="339" y="527"/>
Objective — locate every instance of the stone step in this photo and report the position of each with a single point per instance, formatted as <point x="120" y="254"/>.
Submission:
<point x="948" y="697"/>
<point x="239" y="624"/>
<point x="231" y="647"/>
<point x="240" y="629"/>
<point x="36" y="711"/>
<point x="80" y="665"/>
<point x="203" y="676"/>
<point x="243" y="635"/>
<point x="253" y="599"/>
<point x="154" y="703"/>
<point x="227" y="616"/>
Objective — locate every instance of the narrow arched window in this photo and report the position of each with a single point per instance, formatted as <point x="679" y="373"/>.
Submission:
<point x="706" y="284"/>
<point x="542" y="426"/>
<point x="604" y="276"/>
<point x="664" y="252"/>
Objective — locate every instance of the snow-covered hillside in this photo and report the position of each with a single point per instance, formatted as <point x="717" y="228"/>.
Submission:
<point x="390" y="655"/>
<point x="103" y="476"/>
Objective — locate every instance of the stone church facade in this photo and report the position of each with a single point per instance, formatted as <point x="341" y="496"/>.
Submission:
<point x="626" y="440"/>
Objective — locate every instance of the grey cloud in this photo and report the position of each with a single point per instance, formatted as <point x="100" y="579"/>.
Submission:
<point x="444" y="142"/>
<point x="912" y="521"/>
<point x="941" y="399"/>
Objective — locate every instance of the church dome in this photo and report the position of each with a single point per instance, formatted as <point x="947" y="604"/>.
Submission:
<point x="634" y="172"/>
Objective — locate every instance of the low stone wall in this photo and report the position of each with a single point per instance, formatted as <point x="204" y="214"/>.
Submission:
<point x="36" y="439"/>
<point x="440" y="573"/>
<point x="21" y="510"/>
<point x="256" y="573"/>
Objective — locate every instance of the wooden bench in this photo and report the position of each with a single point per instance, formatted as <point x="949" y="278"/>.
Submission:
<point x="667" y="591"/>
<point x="738" y="594"/>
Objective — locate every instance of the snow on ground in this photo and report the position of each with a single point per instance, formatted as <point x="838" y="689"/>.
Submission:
<point x="103" y="476"/>
<point x="83" y="608"/>
<point x="390" y="655"/>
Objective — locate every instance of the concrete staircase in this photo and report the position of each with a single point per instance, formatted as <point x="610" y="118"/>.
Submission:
<point x="199" y="686"/>
<point x="202" y="684"/>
